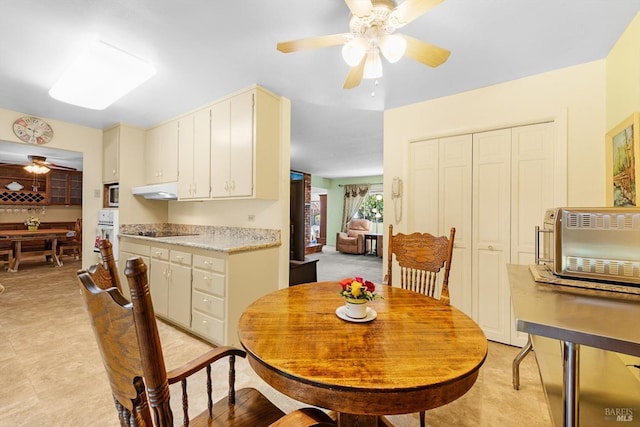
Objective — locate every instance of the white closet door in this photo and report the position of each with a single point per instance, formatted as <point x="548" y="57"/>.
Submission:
<point x="491" y="233"/>
<point x="455" y="211"/>
<point x="423" y="191"/>
<point x="532" y="181"/>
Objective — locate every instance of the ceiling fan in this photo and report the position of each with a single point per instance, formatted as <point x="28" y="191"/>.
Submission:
<point x="372" y="26"/>
<point x="41" y="162"/>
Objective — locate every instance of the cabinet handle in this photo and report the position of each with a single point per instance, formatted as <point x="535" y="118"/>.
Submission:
<point x="158" y="253"/>
<point x="204" y="321"/>
<point x="179" y="258"/>
<point x="490" y="247"/>
<point x="114" y="171"/>
<point x="206" y="278"/>
<point x="233" y="185"/>
<point x="208" y="262"/>
<point x="205" y="300"/>
<point x="226" y="186"/>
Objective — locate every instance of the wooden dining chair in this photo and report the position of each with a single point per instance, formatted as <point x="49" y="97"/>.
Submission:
<point x="73" y="243"/>
<point x="129" y="343"/>
<point x="421" y="257"/>
<point x="105" y="274"/>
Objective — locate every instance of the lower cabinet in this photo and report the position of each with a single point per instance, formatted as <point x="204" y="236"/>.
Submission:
<point x="129" y="249"/>
<point x="204" y="291"/>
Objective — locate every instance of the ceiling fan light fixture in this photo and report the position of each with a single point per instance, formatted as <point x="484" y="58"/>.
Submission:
<point x="392" y="47"/>
<point x="354" y="51"/>
<point x="36" y="169"/>
<point x="373" y="65"/>
<point x="99" y="76"/>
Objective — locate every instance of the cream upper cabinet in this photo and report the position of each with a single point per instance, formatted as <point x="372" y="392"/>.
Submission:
<point x="110" y="153"/>
<point x="245" y="140"/>
<point x="161" y="152"/>
<point x="194" y="155"/>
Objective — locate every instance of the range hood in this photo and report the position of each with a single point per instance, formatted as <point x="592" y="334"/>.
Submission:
<point x="165" y="191"/>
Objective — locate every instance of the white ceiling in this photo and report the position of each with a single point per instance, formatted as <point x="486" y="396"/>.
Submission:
<point x="204" y="50"/>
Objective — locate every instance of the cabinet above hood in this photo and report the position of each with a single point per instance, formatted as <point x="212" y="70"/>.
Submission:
<point x="165" y="191"/>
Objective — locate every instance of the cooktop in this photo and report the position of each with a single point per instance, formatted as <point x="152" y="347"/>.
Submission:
<point x="164" y="234"/>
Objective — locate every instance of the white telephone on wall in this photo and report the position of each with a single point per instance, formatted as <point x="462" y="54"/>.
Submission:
<point x="396" y="188"/>
<point x="396" y="196"/>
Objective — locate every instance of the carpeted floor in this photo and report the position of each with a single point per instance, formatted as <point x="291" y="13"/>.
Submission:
<point x="334" y="265"/>
<point x="52" y="374"/>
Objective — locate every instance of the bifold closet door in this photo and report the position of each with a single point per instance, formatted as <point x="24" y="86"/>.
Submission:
<point x="440" y="198"/>
<point x="492" y="233"/>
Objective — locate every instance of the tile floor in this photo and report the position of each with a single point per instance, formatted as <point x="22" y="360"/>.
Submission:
<point x="52" y="374"/>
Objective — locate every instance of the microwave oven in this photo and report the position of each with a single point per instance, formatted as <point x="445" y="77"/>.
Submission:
<point x="113" y="195"/>
<point x="601" y="244"/>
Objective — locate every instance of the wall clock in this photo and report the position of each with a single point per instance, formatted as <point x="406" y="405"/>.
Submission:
<point x="32" y="130"/>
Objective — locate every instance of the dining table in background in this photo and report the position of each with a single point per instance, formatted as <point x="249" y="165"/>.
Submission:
<point x="44" y="234"/>
<point x="416" y="354"/>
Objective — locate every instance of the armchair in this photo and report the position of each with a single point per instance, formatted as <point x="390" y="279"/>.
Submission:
<point x="352" y="242"/>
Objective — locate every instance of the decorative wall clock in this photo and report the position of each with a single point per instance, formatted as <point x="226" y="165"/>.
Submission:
<point x="33" y="130"/>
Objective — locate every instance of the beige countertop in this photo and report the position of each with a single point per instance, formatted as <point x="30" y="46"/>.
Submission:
<point x="226" y="243"/>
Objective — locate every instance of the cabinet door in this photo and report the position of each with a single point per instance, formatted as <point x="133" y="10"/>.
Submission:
<point x="58" y="187"/>
<point x="241" y="148"/>
<point x="75" y="189"/>
<point x="161" y="152"/>
<point x="110" y="153"/>
<point x="220" y="146"/>
<point x="159" y="286"/>
<point x="491" y="233"/>
<point x="201" y="153"/>
<point x="179" y="303"/>
<point x="185" y="157"/>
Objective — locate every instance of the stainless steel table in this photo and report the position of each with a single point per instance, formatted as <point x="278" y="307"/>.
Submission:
<point x="575" y="316"/>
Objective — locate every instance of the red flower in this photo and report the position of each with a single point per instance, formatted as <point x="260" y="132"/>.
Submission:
<point x="345" y="283"/>
<point x="369" y="286"/>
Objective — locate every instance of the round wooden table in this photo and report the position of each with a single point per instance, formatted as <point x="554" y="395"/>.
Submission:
<point x="417" y="354"/>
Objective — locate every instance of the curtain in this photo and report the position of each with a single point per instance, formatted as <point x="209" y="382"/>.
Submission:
<point x="354" y="195"/>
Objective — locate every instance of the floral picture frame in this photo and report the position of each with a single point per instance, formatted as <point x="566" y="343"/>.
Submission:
<point x="622" y="157"/>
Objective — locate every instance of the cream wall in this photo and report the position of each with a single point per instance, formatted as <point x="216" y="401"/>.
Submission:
<point x="82" y="139"/>
<point x="574" y="97"/>
<point x="52" y="213"/>
<point x="623" y="75"/>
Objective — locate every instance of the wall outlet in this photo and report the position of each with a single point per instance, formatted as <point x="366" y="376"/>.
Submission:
<point x="251" y="218"/>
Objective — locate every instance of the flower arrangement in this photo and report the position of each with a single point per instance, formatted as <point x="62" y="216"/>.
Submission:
<point x="359" y="289"/>
<point x="32" y="221"/>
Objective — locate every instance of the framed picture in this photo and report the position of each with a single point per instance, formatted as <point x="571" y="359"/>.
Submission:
<point x="622" y="154"/>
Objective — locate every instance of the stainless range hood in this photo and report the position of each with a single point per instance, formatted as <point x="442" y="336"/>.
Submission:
<point x="165" y="191"/>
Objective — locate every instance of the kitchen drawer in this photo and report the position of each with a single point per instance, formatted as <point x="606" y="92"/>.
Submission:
<point x="135" y="248"/>
<point x="208" y="282"/>
<point x="208" y="327"/>
<point x="181" y="258"/>
<point x="208" y="263"/>
<point x="160" y="253"/>
<point x="208" y="304"/>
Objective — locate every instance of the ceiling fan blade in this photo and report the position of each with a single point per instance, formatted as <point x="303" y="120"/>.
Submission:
<point x="61" y="167"/>
<point x="360" y="8"/>
<point x="314" y="42"/>
<point x="409" y="10"/>
<point x="424" y="52"/>
<point x="355" y="75"/>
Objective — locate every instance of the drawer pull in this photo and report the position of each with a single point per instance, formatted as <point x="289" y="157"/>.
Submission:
<point x="179" y="257"/>
<point x="205" y="300"/>
<point x="207" y="262"/>
<point x="204" y="321"/>
<point x="206" y="278"/>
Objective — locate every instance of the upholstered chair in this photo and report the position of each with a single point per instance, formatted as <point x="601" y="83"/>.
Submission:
<point x="352" y="242"/>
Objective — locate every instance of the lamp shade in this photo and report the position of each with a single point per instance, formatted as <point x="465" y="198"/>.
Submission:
<point x="373" y="66"/>
<point x="393" y="47"/>
<point x="354" y="51"/>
